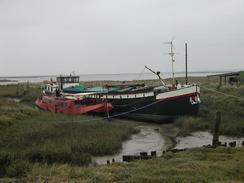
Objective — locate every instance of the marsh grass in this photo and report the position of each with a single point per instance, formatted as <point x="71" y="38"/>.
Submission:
<point x="11" y="112"/>
<point x="43" y="145"/>
<point x="28" y="135"/>
<point x="196" y="165"/>
<point x="232" y="112"/>
<point x="58" y="138"/>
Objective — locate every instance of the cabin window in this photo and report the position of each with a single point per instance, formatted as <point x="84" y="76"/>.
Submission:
<point x="76" y="80"/>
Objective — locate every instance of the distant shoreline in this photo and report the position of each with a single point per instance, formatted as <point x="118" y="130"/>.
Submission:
<point x="103" y="77"/>
<point x="55" y="75"/>
<point x="7" y="80"/>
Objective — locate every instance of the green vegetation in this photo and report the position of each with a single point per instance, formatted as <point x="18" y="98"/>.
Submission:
<point x="232" y="110"/>
<point x="40" y="146"/>
<point x="196" y="165"/>
<point x="11" y="111"/>
<point x="26" y="92"/>
<point x="59" y="139"/>
<point x="29" y="136"/>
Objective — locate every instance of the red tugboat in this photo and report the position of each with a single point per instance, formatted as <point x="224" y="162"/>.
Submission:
<point x="70" y="106"/>
<point x="56" y="101"/>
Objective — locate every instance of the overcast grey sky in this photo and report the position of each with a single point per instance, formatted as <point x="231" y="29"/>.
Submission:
<point x="39" y="37"/>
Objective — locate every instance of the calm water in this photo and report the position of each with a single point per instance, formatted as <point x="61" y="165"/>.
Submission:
<point x="149" y="139"/>
<point x="199" y="139"/>
<point x="100" y="77"/>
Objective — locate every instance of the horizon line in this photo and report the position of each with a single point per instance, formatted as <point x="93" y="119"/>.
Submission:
<point x="48" y="75"/>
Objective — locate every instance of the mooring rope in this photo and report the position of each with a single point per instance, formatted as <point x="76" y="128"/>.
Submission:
<point x="124" y="113"/>
<point x="137" y="109"/>
<point x="228" y="95"/>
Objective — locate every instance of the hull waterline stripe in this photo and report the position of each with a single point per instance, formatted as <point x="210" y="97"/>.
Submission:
<point x="177" y="97"/>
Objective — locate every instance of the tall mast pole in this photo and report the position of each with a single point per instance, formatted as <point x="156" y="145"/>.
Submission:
<point x="172" y="60"/>
<point x="186" y="62"/>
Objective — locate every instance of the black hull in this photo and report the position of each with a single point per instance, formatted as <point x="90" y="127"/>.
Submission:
<point x="153" y="105"/>
<point x="151" y="110"/>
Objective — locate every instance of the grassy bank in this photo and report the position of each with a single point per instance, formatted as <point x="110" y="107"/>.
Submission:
<point x="50" y="138"/>
<point x="29" y="136"/>
<point x="232" y="110"/>
<point x="197" y="165"/>
<point x="34" y="143"/>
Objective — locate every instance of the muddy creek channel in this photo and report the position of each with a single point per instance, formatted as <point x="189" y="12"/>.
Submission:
<point x="147" y="140"/>
<point x="159" y="138"/>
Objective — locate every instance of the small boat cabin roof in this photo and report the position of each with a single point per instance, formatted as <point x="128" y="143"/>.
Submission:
<point x="68" y="79"/>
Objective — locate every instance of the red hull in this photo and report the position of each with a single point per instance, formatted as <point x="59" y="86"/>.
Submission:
<point x="68" y="106"/>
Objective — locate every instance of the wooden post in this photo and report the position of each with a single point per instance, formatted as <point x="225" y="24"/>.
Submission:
<point x="216" y="130"/>
<point x="107" y="111"/>
<point x="17" y="90"/>
<point x="220" y="80"/>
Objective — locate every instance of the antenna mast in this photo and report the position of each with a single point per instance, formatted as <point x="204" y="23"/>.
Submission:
<point x="172" y="54"/>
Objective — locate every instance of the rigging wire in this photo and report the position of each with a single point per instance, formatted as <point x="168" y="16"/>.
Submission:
<point x="228" y="95"/>
<point x="124" y="113"/>
<point x="140" y="74"/>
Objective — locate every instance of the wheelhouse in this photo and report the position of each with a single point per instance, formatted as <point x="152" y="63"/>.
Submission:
<point x="67" y="81"/>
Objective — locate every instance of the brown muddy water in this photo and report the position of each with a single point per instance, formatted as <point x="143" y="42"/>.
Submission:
<point x="147" y="140"/>
<point x="199" y="139"/>
<point x="160" y="138"/>
<point x="13" y="99"/>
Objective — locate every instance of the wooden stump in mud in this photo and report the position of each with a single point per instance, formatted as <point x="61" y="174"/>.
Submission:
<point x="216" y="130"/>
